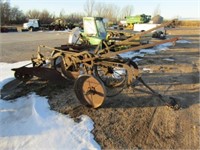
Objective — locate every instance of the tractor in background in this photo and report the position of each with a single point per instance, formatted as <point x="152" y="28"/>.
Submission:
<point x="94" y="32"/>
<point x="131" y="20"/>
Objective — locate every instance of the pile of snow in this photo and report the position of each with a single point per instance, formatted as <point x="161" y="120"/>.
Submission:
<point x="6" y="74"/>
<point x="183" y="41"/>
<point x="28" y="123"/>
<point x="54" y="31"/>
<point x="137" y="55"/>
<point x="169" y="59"/>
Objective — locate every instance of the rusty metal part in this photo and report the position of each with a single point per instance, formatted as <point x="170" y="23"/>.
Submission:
<point x="72" y="64"/>
<point x="116" y="74"/>
<point x="90" y="91"/>
<point x="118" y="70"/>
<point x="140" y="47"/>
<point x="9" y="89"/>
<point x="169" y="101"/>
<point x="26" y="73"/>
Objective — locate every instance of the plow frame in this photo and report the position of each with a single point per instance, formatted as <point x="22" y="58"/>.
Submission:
<point x="85" y="66"/>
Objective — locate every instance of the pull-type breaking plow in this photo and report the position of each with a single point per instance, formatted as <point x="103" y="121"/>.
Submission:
<point x="97" y="74"/>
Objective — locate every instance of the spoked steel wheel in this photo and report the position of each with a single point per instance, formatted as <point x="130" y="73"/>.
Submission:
<point x="90" y="91"/>
<point x="67" y="69"/>
<point x="114" y="78"/>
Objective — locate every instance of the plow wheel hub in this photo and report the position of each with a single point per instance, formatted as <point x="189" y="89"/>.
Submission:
<point x="90" y="91"/>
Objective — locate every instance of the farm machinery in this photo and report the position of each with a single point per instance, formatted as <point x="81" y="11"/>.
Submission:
<point x="98" y="73"/>
<point x="94" y="32"/>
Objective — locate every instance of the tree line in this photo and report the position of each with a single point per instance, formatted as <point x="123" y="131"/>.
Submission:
<point x="13" y="15"/>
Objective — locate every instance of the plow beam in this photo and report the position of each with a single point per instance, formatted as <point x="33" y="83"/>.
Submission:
<point x="139" y="47"/>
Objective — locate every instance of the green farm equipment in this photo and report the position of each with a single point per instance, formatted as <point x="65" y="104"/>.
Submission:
<point x="94" y="33"/>
<point x="131" y="20"/>
<point x="94" y="30"/>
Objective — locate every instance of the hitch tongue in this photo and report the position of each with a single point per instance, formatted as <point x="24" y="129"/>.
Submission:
<point x="172" y="103"/>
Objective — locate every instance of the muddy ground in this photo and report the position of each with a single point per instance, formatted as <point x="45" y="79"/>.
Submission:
<point x="133" y="119"/>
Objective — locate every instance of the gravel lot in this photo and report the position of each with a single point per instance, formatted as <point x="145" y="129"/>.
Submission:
<point x="18" y="46"/>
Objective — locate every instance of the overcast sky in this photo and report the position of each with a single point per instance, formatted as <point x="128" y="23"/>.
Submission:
<point x="169" y="8"/>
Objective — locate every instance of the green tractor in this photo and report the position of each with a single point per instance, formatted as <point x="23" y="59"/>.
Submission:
<point x="94" y="30"/>
<point x="94" y="33"/>
<point x="138" y="19"/>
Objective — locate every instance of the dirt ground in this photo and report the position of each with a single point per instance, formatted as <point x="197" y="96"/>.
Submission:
<point x="133" y="119"/>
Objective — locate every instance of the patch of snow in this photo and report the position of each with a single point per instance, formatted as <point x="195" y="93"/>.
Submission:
<point x="137" y="55"/>
<point x="169" y="59"/>
<point x="28" y="123"/>
<point x="183" y="41"/>
<point x="137" y="59"/>
<point x="147" y="70"/>
<point x="131" y="54"/>
<point x="148" y="51"/>
<point x="163" y="47"/>
<point x="6" y="74"/>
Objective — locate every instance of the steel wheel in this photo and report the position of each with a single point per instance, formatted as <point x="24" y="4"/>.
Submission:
<point x="110" y="76"/>
<point x="90" y="91"/>
<point x="68" y="70"/>
<point x="114" y="78"/>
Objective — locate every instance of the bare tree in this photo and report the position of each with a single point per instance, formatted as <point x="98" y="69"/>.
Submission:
<point x="126" y="11"/>
<point x="17" y="16"/>
<point x="157" y="11"/>
<point x="33" y="14"/>
<point x="46" y="17"/>
<point x="111" y="12"/>
<point x="5" y="12"/>
<point x="99" y="7"/>
<point x="62" y="13"/>
<point x="89" y="7"/>
<point x="74" y="18"/>
<point x="10" y="15"/>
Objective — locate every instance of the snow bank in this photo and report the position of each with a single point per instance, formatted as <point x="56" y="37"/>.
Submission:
<point x="28" y="123"/>
<point x="6" y="74"/>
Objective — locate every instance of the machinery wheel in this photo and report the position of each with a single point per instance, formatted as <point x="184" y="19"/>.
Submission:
<point x="31" y="29"/>
<point x="90" y="91"/>
<point x="110" y="76"/>
<point x="59" y="65"/>
<point x="56" y="62"/>
<point x="114" y="79"/>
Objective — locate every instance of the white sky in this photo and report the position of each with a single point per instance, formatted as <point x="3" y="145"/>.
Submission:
<point x="169" y="8"/>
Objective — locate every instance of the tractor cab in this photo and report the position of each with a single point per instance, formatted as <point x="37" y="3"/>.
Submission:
<point x="94" y="30"/>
